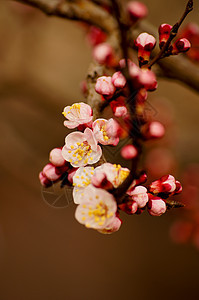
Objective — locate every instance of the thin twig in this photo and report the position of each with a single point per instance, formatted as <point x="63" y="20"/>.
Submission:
<point x="173" y="34"/>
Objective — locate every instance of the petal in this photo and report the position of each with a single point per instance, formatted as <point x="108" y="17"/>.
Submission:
<point x="73" y="138"/>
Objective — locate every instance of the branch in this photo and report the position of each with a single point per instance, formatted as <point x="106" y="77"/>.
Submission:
<point x="173" y="34"/>
<point x="78" y="10"/>
<point x="178" y="67"/>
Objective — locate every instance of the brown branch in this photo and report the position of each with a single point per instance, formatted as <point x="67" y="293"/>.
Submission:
<point x="173" y="34"/>
<point x="178" y="67"/>
<point x="78" y="10"/>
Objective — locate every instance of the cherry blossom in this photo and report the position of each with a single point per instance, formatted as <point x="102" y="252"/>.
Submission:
<point x="77" y="114"/>
<point x="139" y="195"/>
<point x="137" y="10"/>
<point x="104" y="86"/>
<point x="81" y="179"/>
<point x="97" y="208"/>
<point x="156" y="206"/>
<point x="103" y="53"/>
<point x="105" y="131"/>
<point x="56" y="157"/>
<point x="81" y="148"/>
<point x="115" y="173"/>
<point x="118" y="80"/>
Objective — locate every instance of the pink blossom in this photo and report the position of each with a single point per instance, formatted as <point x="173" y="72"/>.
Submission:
<point x="102" y="53"/>
<point x="81" y="148"/>
<point x="95" y="36"/>
<point x="145" y="44"/>
<point x="137" y="10"/>
<point x="104" y="86"/>
<point x="115" y="174"/>
<point x="97" y="208"/>
<point x="44" y="180"/>
<point x="113" y="227"/>
<point x="118" y="80"/>
<point x="51" y="173"/>
<point x="164" y="33"/>
<point x="129" y="152"/>
<point x="156" y="130"/>
<point x="105" y="131"/>
<point x="165" y="184"/>
<point x="77" y="114"/>
<point x="56" y="157"/>
<point x="156" y="206"/>
<point x="130" y="207"/>
<point x="181" y="45"/>
<point x="134" y="70"/>
<point x="139" y="195"/>
<point x="147" y="79"/>
<point x="145" y="41"/>
<point x="81" y="179"/>
<point x="119" y="108"/>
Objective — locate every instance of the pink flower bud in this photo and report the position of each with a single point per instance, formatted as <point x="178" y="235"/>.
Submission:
<point x="156" y="206"/>
<point x="118" y="80"/>
<point x="139" y="195"/>
<point x="44" y="180"/>
<point x="145" y="44"/>
<point x="147" y="79"/>
<point x="181" y="45"/>
<point x="56" y="157"/>
<point x="129" y="152"/>
<point x="103" y="53"/>
<point x="119" y="108"/>
<point x="50" y="172"/>
<point x="137" y="10"/>
<point x="166" y="184"/>
<point x="178" y="189"/>
<point x="164" y="33"/>
<point x="156" y="130"/>
<point x="104" y="86"/>
<point x="129" y="207"/>
<point x="95" y="36"/>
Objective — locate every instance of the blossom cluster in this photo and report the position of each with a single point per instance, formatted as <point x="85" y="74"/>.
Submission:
<point x="80" y="164"/>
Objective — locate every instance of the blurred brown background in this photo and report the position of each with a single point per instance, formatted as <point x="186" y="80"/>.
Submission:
<point x="44" y="252"/>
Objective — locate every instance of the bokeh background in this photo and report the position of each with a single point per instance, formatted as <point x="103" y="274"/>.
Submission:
<point x="44" y="252"/>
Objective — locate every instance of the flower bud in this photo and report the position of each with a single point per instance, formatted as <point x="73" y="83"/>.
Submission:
<point x="129" y="207"/>
<point x="44" y="180"/>
<point x="164" y="33"/>
<point x="166" y="184"/>
<point x="147" y="79"/>
<point x="137" y="10"/>
<point x="118" y="80"/>
<point x="103" y="53"/>
<point x="50" y="172"/>
<point x="181" y="45"/>
<point x="156" y="206"/>
<point x="145" y="44"/>
<point x="139" y="195"/>
<point x="155" y="130"/>
<point x="95" y="36"/>
<point x="129" y="152"/>
<point x="56" y="157"/>
<point x="104" y="86"/>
